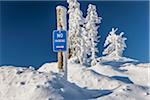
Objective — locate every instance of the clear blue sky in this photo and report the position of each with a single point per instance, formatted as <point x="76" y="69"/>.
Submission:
<point x="26" y="29"/>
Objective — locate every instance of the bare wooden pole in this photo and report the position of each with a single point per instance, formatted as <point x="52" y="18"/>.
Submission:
<point x="61" y="25"/>
<point x="60" y="61"/>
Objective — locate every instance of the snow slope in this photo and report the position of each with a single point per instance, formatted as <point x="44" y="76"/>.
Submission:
<point x="84" y="77"/>
<point x="124" y="77"/>
<point x="128" y="92"/>
<point x="104" y="81"/>
<point x="26" y="84"/>
<point x="136" y="73"/>
<point x="18" y="83"/>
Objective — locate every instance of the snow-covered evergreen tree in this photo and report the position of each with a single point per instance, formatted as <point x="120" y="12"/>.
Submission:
<point x="83" y="34"/>
<point x="115" y="44"/>
<point x="84" y="47"/>
<point x="76" y="21"/>
<point x="92" y="22"/>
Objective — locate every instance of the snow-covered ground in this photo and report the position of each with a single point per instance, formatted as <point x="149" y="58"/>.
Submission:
<point x="18" y="83"/>
<point x="108" y="80"/>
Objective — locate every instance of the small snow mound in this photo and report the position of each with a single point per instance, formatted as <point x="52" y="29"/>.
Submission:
<point x="18" y="83"/>
<point x="88" y="78"/>
<point x="139" y="73"/>
<point x="128" y="92"/>
<point x="145" y="65"/>
<point x="116" y="59"/>
<point x="49" y="67"/>
<point x="84" y="77"/>
<point x="107" y="70"/>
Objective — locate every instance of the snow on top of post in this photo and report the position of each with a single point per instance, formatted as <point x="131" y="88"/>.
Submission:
<point x="71" y="1"/>
<point x="61" y="7"/>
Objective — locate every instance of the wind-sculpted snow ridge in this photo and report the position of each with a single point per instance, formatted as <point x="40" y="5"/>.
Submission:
<point x="129" y="81"/>
<point x="124" y="67"/>
<point x="85" y="77"/>
<point x="18" y="83"/>
<point x="128" y="92"/>
<point x="117" y="59"/>
<point x="138" y="73"/>
<point x="126" y="81"/>
<point x="90" y="79"/>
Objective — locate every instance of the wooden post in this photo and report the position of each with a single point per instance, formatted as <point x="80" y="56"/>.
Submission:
<point x="61" y="25"/>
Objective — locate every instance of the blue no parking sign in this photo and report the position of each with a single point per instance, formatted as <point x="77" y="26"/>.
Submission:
<point x="59" y="40"/>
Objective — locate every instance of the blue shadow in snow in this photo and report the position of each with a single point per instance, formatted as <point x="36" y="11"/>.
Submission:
<point x="117" y="63"/>
<point x="102" y="93"/>
<point x="123" y="79"/>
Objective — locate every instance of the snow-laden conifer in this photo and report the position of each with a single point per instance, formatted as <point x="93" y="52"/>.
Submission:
<point x="76" y="21"/>
<point x="77" y="43"/>
<point x="115" y="44"/>
<point x="92" y="22"/>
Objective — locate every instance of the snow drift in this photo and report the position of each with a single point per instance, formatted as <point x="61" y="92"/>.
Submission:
<point x="18" y="83"/>
<point x="124" y="77"/>
<point x="26" y="84"/>
<point x="85" y="77"/>
<point x="126" y="81"/>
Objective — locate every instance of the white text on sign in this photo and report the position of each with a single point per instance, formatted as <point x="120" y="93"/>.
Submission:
<point x="60" y="35"/>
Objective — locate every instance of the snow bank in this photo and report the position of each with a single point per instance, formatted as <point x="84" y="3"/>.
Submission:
<point x="84" y="77"/>
<point x="90" y="79"/>
<point x="107" y="70"/>
<point x="139" y="73"/>
<point x="25" y="84"/>
<point x="18" y="83"/>
<point x="128" y="92"/>
<point x="117" y="59"/>
<point x="127" y="80"/>
<point x="102" y="81"/>
<point x="49" y="67"/>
